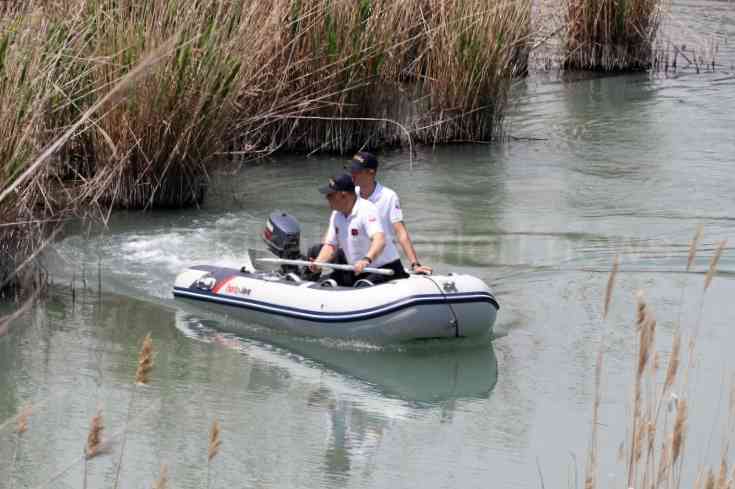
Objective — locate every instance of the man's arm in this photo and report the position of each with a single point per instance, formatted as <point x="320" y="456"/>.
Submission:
<point x="377" y="244"/>
<point x="325" y="254"/>
<point x="329" y="248"/>
<point x="407" y="246"/>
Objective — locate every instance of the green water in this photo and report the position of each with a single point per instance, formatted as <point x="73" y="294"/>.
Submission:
<point x="624" y="165"/>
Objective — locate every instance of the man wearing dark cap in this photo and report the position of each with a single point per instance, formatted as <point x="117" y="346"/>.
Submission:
<point x="364" y="168"/>
<point x="355" y="229"/>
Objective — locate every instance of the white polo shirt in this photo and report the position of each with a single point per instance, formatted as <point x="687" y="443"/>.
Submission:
<point x="389" y="208"/>
<point x="353" y="233"/>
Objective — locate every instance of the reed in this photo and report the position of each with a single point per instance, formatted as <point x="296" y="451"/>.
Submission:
<point x="611" y="35"/>
<point x="94" y="438"/>
<point x="32" y="74"/>
<point x="694" y="245"/>
<point x="655" y="446"/>
<point x="162" y="481"/>
<point x="22" y="421"/>
<point x="214" y="441"/>
<point x="145" y="361"/>
<point x="142" y="378"/>
<point x="212" y="448"/>
<point x="243" y="79"/>
<point x="21" y="427"/>
<point x="610" y="285"/>
<point x="713" y="263"/>
<point x="243" y="72"/>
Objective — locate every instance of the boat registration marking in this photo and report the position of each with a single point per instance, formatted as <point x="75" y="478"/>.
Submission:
<point x="236" y="289"/>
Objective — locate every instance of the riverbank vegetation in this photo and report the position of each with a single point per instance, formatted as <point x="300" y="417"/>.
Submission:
<point x="140" y="101"/>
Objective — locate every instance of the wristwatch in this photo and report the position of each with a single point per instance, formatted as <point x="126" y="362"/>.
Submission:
<point x="414" y="265"/>
<point x="367" y="259"/>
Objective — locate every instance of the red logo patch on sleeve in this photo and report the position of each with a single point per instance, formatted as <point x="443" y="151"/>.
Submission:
<point x="354" y="231"/>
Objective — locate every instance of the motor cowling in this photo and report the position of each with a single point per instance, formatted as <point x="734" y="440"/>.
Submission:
<point x="282" y="235"/>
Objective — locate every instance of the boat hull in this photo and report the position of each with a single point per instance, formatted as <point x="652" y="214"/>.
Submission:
<point x="401" y="310"/>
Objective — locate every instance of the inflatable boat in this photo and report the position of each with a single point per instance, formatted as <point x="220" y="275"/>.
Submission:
<point x="289" y="299"/>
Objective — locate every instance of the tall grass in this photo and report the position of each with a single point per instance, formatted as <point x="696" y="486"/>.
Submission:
<point x="34" y="75"/>
<point x="243" y="78"/>
<point x="612" y="35"/>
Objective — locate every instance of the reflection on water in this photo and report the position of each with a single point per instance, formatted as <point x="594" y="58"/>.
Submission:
<point x="327" y="405"/>
<point x="429" y="371"/>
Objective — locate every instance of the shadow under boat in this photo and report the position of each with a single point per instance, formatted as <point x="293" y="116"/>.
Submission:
<point x="426" y="371"/>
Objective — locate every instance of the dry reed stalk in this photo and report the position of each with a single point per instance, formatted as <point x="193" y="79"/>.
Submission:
<point x="639" y="434"/>
<point x="673" y="367"/>
<point x="646" y="323"/>
<point x="162" y="482"/>
<point x="722" y="477"/>
<point x="22" y="425"/>
<point x="693" y="246"/>
<point x="94" y="438"/>
<point x="713" y="263"/>
<point x="145" y="361"/>
<point x="212" y="449"/>
<point x="699" y="479"/>
<point x="214" y="441"/>
<point x="679" y="434"/>
<point x="590" y="479"/>
<point x="610" y="285"/>
<point x="663" y="464"/>
<point x="710" y="482"/>
<point x="145" y="365"/>
<point x="651" y="435"/>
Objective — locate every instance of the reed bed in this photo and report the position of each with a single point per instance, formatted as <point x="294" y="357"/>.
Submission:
<point x="228" y="79"/>
<point x="32" y="70"/>
<point x="612" y="35"/>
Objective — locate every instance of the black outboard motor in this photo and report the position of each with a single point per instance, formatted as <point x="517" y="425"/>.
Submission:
<point x="282" y="235"/>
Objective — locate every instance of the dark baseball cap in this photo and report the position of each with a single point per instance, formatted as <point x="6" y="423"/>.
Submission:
<point x="341" y="183"/>
<point x="363" y="161"/>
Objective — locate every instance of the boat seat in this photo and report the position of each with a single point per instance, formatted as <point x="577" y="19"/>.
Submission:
<point x="292" y="277"/>
<point x="363" y="282"/>
<point x="329" y="283"/>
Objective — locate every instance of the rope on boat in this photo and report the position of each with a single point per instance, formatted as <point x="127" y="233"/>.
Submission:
<point x="454" y="322"/>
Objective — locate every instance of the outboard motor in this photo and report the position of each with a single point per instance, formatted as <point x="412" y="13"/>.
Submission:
<point x="282" y="235"/>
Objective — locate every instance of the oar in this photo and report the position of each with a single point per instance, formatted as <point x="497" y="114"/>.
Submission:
<point x="283" y="261"/>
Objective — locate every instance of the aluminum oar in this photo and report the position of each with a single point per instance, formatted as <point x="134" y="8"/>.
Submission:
<point x="306" y="263"/>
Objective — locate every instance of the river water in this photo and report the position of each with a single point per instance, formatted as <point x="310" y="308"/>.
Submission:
<point x="626" y="165"/>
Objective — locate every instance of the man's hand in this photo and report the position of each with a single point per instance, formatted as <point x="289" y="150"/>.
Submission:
<point x="314" y="268"/>
<point x="360" y="266"/>
<point x="422" y="270"/>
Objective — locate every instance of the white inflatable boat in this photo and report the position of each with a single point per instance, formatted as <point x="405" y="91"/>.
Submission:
<point x="421" y="306"/>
